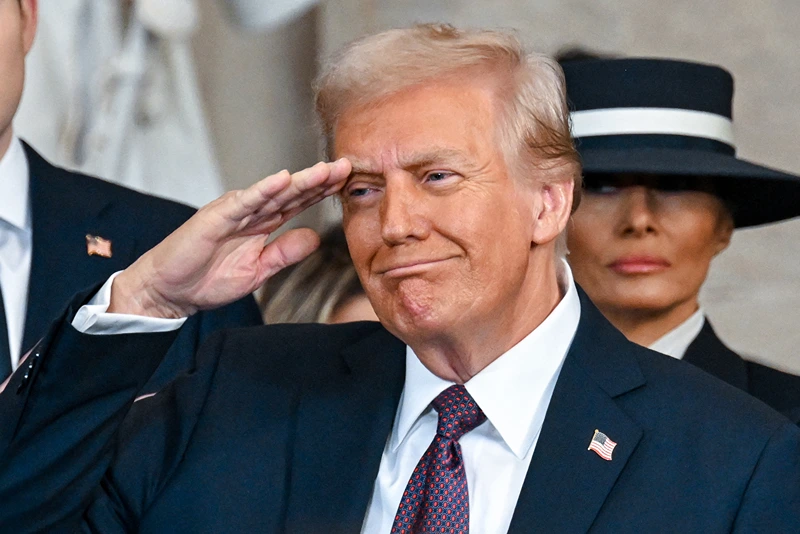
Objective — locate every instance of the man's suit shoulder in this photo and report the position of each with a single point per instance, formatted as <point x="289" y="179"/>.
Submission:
<point x="68" y="187"/>
<point x="684" y="394"/>
<point x="778" y="389"/>
<point x="717" y="451"/>
<point x="133" y="200"/>
<point x="660" y="392"/>
<point x="243" y="374"/>
<point x="308" y="348"/>
<point x="305" y="334"/>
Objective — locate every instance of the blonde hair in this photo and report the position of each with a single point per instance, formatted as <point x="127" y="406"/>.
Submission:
<point x="534" y="118"/>
<point x="314" y="289"/>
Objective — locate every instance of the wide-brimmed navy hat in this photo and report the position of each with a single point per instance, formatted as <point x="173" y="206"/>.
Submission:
<point x="672" y="118"/>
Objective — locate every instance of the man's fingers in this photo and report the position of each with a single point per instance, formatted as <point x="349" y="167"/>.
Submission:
<point x="321" y="174"/>
<point x="282" y="192"/>
<point x="287" y="249"/>
<point x="239" y="204"/>
<point x="296" y="198"/>
<point x="311" y="182"/>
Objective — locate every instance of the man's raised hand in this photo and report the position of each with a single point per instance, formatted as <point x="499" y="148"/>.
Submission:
<point x="221" y="254"/>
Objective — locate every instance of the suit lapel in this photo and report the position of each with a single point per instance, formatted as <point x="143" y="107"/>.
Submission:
<point x="566" y="483"/>
<point x="63" y="211"/>
<point x="332" y="477"/>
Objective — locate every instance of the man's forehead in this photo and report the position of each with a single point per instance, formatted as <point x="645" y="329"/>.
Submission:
<point x="407" y="158"/>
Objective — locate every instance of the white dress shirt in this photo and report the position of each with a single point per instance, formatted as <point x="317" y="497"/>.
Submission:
<point x="514" y="393"/>
<point x="16" y="243"/>
<point x="93" y="318"/>
<point x="675" y="342"/>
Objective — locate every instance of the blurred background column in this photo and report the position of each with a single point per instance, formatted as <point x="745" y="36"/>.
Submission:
<point x="257" y="88"/>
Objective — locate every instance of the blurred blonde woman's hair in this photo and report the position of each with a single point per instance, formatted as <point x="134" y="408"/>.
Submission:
<point x="314" y="289"/>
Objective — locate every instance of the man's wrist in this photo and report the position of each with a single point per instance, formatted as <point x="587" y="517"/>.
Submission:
<point x="131" y="296"/>
<point x="93" y="317"/>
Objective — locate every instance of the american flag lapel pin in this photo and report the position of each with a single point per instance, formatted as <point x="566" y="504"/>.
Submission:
<point x="602" y="445"/>
<point x="98" y="246"/>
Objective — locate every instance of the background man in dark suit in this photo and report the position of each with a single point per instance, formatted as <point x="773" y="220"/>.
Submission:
<point x="62" y="232"/>
<point x="492" y="396"/>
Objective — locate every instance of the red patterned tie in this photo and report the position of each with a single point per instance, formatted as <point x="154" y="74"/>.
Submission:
<point x="436" y="498"/>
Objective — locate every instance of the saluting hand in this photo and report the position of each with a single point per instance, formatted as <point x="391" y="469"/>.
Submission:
<point x="220" y="254"/>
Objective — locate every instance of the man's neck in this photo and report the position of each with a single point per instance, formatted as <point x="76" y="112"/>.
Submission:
<point x="458" y="356"/>
<point x="644" y="327"/>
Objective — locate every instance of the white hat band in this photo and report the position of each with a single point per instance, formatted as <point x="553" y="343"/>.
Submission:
<point x="626" y="121"/>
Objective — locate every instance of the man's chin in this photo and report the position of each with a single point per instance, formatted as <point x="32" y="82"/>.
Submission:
<point x="416" y="323"/>
<point x="416" y="307"/>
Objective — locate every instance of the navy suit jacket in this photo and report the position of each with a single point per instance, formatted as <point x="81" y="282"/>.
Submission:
<point x="65" y="207"/>
<point x="778" y="389"/>
<point x="281" y="429"/>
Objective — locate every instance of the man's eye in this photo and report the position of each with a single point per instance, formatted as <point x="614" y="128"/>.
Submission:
<point x="437" y="176"/>
<point x="358" y="191"/>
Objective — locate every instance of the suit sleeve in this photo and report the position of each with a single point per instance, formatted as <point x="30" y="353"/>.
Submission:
<point x="771" y="502"/>
<point x="152" y="442"/>
<point x="58" y="418"/>
<point x="181" y="357"/>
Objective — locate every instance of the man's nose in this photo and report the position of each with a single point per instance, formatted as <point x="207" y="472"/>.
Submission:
<point x="639" y="208"/>
<point x="403" y="212"/>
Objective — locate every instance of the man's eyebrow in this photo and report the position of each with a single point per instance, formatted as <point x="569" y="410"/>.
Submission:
<point x="433" y="156"/>
<point x="415" y="160"/>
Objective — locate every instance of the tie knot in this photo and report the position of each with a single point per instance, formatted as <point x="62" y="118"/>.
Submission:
<point x="458" y="412"/>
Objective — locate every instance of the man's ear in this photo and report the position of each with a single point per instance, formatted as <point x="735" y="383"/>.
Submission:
<point x="555" y="205"/>
<point x="30" y="18"/>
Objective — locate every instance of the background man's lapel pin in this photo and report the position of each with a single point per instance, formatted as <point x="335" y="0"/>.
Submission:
<point x="602" y="445"/>
<point x="98" y="246"/>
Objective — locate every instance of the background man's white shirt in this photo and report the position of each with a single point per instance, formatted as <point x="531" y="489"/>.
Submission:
<point x="16" y="243"/>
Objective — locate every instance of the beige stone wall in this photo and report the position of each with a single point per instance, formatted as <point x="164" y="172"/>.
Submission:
<point x="260" y="109"/>
<point x="257" y="89"/>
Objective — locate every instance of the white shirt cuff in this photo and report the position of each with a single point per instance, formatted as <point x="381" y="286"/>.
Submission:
<point x="93" y="319"/>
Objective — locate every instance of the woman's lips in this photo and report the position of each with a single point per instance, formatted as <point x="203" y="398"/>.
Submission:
<point x="639" y="265"/>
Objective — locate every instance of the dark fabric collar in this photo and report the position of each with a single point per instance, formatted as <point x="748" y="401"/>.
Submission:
<point x="779" y="390"/>
<point x="712" y="356"/>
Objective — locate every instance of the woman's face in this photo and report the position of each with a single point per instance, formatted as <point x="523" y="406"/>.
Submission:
<point x="645" y="242"/>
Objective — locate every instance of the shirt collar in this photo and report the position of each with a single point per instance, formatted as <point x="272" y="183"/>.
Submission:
<point x="675" y="342"/>
<point x="512" y="389"/>
<point x="14" y="184"/>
